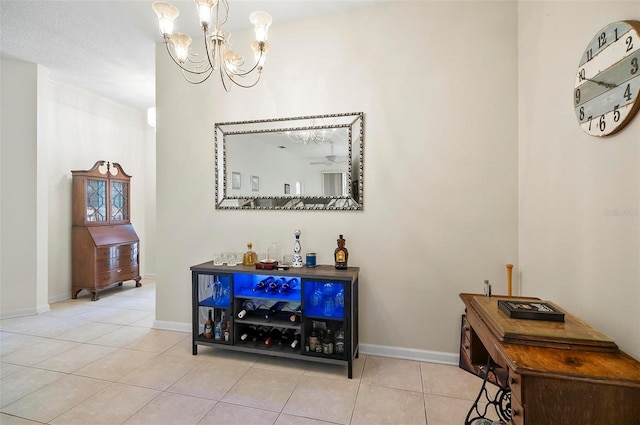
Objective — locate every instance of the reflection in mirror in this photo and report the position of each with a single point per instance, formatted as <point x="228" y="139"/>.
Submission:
<point x="312" y="162"/>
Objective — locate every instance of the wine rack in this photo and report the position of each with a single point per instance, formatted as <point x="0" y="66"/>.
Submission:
<point x="265" y="311"/>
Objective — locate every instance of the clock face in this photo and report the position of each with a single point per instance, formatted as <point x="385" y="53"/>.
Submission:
<point x="607" y="83"/>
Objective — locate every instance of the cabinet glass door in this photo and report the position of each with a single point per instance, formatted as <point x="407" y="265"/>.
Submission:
<point x="214" y="308"/>
<point x="96" y="208"/>
<point x="119" y="201"/>
<point x="325" y="327"/>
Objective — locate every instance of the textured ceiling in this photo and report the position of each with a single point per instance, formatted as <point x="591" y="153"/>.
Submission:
<point x="108" y="47"/>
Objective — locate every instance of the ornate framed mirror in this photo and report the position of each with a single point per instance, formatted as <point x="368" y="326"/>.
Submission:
<point x="300" y="163"/>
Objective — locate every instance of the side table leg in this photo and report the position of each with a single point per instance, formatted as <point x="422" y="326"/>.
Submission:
<point x="501" y="402"/>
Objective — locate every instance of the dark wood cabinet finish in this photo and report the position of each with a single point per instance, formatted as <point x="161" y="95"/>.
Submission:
<point x="561" y="373"/>
<point x="105" y="247"/>
<point x="237" y="281"/>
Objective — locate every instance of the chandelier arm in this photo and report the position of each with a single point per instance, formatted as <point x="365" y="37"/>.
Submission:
<point x="225" y="3"/>
<point x="182" y="67"/>
<point x="248" y="86"/>
<point x="243" y="73"/>
<point x="186" y="77"/>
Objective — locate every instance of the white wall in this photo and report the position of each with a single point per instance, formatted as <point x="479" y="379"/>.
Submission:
<point x="82" y="129"/>
<point x="21" y="228"/>
<point x="49" y="129"/>
<point x="437" y="82"/>
<point x="579" y="195"/>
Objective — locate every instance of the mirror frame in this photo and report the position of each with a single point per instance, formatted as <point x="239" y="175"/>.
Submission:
<point x="354" y="200"/>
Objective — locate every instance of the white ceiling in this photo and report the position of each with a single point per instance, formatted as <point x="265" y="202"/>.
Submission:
<point x="108" y="46"/>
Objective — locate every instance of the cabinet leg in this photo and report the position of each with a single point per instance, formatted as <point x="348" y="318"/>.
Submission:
<point x="138" y="284"/>
<point x="94" y="296"/>
<point x="195" y="349"/>
<point x="350" y="368"/>
<point x="74" y="293"/>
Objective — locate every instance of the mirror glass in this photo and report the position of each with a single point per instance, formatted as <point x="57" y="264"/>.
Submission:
<point x="312" y="162"/>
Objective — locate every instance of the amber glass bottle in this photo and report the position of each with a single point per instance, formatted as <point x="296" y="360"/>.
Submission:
<point x="250" y="258"/>
<point x="341" y="255"/>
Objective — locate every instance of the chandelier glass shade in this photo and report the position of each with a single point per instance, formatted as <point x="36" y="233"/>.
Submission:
<point x="220" y="57"/>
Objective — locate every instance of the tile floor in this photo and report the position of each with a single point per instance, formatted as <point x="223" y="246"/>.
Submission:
<point x="101" y="362"/>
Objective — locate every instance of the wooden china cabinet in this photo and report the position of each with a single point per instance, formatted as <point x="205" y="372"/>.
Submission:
<point x="105" y="247"/>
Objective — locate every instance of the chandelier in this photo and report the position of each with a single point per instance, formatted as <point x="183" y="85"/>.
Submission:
<point x="219" y="56"/>
<point x="318" y="133"/>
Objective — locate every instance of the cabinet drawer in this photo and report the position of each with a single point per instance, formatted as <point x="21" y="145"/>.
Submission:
<point x="515" y="383"/>
<point x="517" y="412"/>
<point x="107" y="264"/>
<point x="117" y="251"/>
<point x="116" y="275"/>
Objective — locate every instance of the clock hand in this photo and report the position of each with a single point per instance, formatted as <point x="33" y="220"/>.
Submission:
<point x="602" y="83"/>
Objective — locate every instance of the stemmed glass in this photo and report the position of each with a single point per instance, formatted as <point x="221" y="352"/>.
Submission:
<point x="316" y="298"/>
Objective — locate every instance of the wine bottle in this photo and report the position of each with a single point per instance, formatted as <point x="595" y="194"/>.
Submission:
<point x="296" y="340"/>
<point x="288" y="285"/>
<point x="287" y="336"/>
<point x="275" y="285"/>
<point x="275" y="308"/>
<point x="296" y="314"/>
<point x="339" y="342"/>
<point x="226" y="330"/>
<point x="273" y="336"/>
<point x="313" y="338"/>
<point x="247" y="306"/>
<point x="262" y="333"/>
<point x="208" y="327"/>
<point x="250" y="333"/>
<point x="262" y="285"/>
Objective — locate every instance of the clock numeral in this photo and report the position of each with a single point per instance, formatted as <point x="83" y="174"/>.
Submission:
<point x="582" y="113"/>
<point x="590" y="54"/>
<point x="634" y="65"/>
<point x="582" y="75"/>
<point x="602" y="123"/>
<point x="590" y="121"/>
<point x="629" y="43"/>
<point x="602" y="40"/>
<point x="616" y="114"/>
<point x="616" y="30"/>
<point x="577" y="96"/>
<point x="627" y="93"/>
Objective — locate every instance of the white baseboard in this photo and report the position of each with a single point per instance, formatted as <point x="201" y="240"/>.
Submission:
<point x="43" y="308"/>
<point x="61" y="297"/>
<point x="369" y="349"/>
<point x="172" y="326"/>
<point x="18" y="313"/>
<point x="410" y="354"/>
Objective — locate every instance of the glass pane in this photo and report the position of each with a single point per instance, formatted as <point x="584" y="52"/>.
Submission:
<point x="324" y="299"/>
<point x="96" y="200"/>
<point x="119" y="199"/>
<point x="214" y="308"/>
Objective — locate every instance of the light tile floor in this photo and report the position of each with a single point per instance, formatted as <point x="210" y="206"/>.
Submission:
<point x="100" y="362"/>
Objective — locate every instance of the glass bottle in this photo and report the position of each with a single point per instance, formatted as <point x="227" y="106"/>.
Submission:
<point x="217" y="330"/>
<point x="262" y="285"/>
<point x="339" y="341"/>
<point x="313" y="338"/>
<point x="208" y="327"/>
<point x="249" y="258"/>
<point x="341" y="254"/>
<point x="297" y="249"/>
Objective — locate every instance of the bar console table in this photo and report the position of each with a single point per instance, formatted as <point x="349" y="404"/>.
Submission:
<point x="558" y="372"/>
<point x="300" y="313"/>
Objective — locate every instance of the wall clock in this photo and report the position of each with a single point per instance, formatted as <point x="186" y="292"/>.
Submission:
<point x="607" y="83"/>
